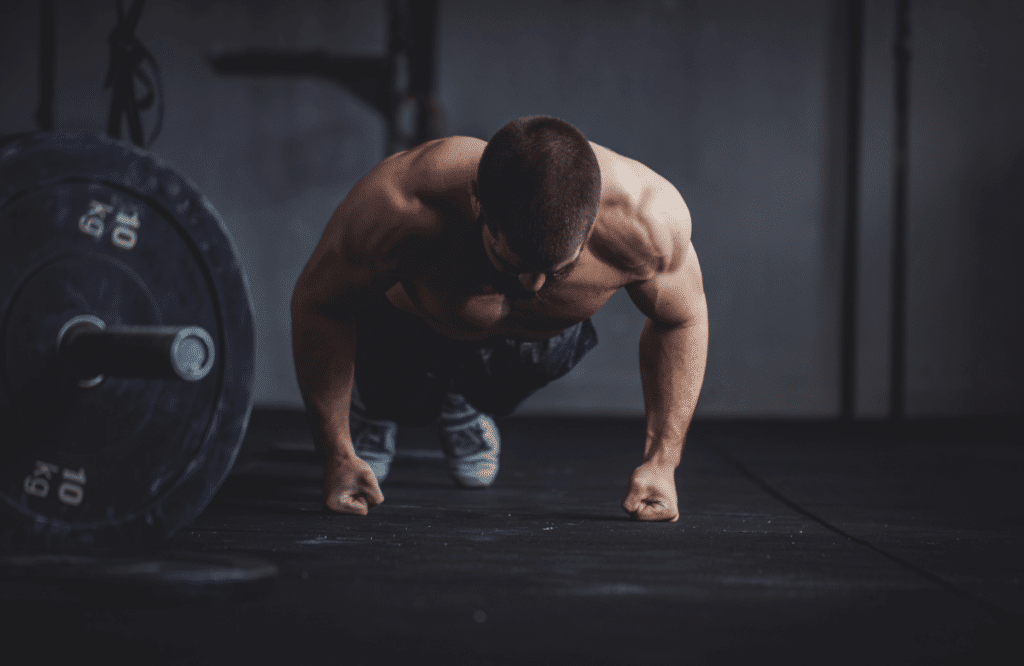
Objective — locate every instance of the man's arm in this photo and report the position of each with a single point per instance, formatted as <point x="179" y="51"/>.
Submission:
<point x="376" y="234"/>
<point x="673" y="355"/>
<point x="324" y="349"/>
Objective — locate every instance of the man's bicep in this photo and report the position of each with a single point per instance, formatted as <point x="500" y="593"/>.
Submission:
<point x="673" y="298"/>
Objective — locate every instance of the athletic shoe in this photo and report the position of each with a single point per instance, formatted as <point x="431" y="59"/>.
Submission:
<point x="470" y="442"/>
<point x="374" y="441"/>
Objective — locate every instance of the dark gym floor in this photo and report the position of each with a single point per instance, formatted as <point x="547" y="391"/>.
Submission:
<point x="797" y="542"/>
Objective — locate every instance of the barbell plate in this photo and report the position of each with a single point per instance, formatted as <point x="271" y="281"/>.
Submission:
<point x="96" y="227"/>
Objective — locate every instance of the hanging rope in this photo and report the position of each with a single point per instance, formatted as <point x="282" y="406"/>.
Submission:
<point x="132" y="69"/>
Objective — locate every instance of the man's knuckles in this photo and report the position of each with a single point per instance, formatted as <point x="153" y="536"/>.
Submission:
<point x="374" y="496"/>
<point x="352" y="505"/>
<point x="354" y="500"/>
<point x="656" y="510"/>
<point x="341" y="506"/>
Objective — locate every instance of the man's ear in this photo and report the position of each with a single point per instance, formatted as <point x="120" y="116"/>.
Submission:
<point x="478" y="209"/>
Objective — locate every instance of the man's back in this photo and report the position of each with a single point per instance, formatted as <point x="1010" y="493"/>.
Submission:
<point x="425" y="212"/>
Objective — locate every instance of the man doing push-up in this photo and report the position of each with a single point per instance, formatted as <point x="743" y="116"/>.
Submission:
<point x="458" y="277"/>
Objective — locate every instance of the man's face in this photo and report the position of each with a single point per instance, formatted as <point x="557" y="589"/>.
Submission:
<point x="506" y="262"/>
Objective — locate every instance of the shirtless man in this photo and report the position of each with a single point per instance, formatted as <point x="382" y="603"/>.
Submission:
<point x="459" y="276"/>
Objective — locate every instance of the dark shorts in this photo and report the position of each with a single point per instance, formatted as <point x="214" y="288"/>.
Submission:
<point x="404" y="368"/>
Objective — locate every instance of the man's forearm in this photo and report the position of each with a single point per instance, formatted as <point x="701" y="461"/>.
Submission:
<point x="324" y="352"/>
<point x="672" y="362"/>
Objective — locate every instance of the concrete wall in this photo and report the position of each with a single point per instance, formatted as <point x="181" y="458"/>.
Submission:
<point x="965" y="303"/>
<point x="738" y="103"/>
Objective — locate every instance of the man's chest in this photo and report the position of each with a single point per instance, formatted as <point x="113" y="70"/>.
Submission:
<point x="462" y="303"/>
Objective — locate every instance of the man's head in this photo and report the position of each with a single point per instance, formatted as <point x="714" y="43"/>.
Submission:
<point x="539" y="188"/>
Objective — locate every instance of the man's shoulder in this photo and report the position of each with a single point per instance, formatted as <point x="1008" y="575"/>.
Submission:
<point x="421" y="185"/>
<point x="627" y="175"/>
<point x="643" y="224"/>
<point x="442" y="167"/>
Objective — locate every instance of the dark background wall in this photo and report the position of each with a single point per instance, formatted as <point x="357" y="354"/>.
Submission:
<point x="741" y="104"/>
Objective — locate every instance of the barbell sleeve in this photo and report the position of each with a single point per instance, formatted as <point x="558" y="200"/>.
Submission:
<point x="88" y="349"/>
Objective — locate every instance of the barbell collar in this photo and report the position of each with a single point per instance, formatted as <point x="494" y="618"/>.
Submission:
<point x="91" y="351"/>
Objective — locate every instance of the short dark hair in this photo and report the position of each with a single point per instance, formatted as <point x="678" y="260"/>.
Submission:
<point x="539" y="185"/>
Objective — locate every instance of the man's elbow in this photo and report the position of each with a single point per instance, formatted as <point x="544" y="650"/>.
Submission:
<point x="697" y="313"/>
<point x="689" y="315"/>
<point x="307" y="303"/>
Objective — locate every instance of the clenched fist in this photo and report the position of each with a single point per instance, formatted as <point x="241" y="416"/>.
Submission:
<point x="652" y="494"/>
<point x="350" y="486"/>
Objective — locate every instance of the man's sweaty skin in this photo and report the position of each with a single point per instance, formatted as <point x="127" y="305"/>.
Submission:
<point x="411" y="229"/>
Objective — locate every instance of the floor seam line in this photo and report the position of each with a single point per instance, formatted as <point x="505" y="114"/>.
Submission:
<point x="993" y="609"/>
